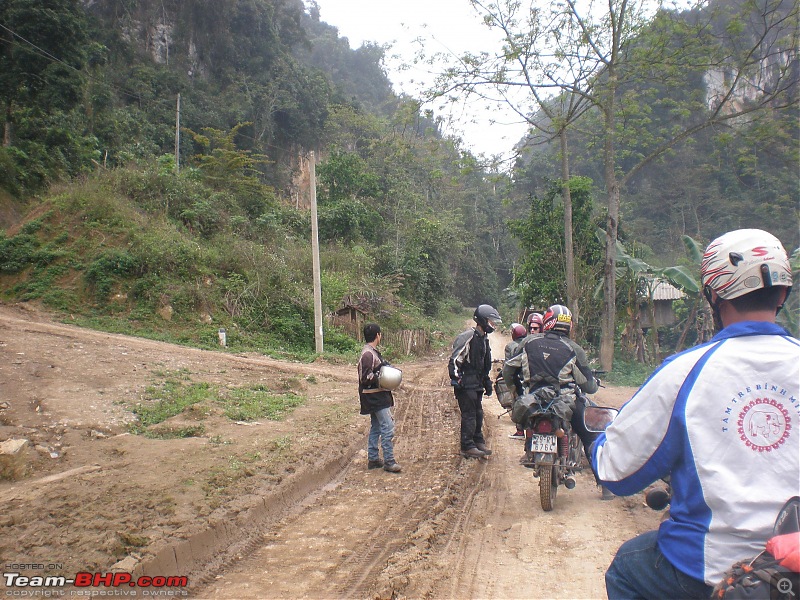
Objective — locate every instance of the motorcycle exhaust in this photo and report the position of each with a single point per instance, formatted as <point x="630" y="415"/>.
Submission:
<point x="569" y="482"/>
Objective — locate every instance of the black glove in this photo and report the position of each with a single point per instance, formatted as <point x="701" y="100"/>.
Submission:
<point x="487" y="387"/>
<point x="456" y="383"/>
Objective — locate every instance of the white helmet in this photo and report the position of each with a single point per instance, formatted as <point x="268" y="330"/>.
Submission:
<point x="389" y="378"/>
<point x="742" y="261"/>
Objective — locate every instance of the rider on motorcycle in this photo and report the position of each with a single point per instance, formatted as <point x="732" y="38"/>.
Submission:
<point x="518" y="333"/>
<point x="551" y="359"/>
<point x="535" y="323"/>
<point x="720" y="419"/>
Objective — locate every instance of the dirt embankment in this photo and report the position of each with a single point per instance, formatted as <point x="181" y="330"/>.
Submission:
<point x="279" y="509"/>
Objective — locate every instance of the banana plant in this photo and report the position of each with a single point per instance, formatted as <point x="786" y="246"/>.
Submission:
<point x="645" y="279"/>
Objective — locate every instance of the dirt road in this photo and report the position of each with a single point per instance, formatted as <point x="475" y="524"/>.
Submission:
<point x="279" y="509"/>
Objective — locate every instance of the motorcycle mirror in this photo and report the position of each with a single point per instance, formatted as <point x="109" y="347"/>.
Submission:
<point x="597" y="418"/>
<point x="788" y="520"/>
<point x="657" y="498"/>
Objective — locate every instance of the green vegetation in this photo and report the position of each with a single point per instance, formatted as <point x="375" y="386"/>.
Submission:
<point x="101" y="222"/>
<point x="628" y="373"/>
<point x="168" y="399"/>
<point x="258" y="403"/>
<point x="178" y="395"/>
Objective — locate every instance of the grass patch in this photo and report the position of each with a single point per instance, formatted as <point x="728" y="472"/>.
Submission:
<point x="174" y="433"/>
<point x="168" y="399"/>
<point x="177" y="394"/>
<point x="222" y="477"/>
<point x="258" y="402"/>
<point x="628" y="373"/>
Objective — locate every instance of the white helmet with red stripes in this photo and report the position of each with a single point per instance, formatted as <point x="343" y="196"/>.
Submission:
<point x="745" y="260"/>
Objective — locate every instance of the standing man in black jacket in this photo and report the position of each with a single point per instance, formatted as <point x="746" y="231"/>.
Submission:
<point x="469" y="368"/>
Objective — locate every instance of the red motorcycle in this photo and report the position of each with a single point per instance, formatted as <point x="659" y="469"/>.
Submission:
<point x="555" y="446"/>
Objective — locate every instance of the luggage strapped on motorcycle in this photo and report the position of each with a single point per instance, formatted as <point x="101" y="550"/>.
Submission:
<point x="504" y="395"/>
<point x="766" y="575"/>
<point x="544" y="398"/>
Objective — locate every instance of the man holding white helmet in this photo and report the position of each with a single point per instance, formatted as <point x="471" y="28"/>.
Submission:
<point x="720" y="419"/>
<point x="377" y="401"/>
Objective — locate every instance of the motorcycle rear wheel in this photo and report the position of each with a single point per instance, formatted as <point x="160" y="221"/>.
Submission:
<point x="548" y="486"/>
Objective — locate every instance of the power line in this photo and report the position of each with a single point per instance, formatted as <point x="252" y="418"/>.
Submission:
<point x="130" y="94"/>
<point x="52" y="58"/>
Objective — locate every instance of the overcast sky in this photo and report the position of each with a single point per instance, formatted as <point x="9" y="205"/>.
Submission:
<point x="446" y="26"/>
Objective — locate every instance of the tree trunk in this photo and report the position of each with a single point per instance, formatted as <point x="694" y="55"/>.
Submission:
<point x="608" y="320"/>
<point x="7" y="128"/>
<point x="690" y="320"/>
<point x="569" y="248"/>
<point x="651" y="310"/>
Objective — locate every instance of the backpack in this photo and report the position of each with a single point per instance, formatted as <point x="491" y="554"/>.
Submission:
<point x="504" y="395"/>
<point x="530" y="403"/>
<point x="773" y="574"/>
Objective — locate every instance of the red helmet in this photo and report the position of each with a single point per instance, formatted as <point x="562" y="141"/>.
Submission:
<point x="518" y="331"/>
<point x="558" y="318"/>
<point x="536" y="319"/>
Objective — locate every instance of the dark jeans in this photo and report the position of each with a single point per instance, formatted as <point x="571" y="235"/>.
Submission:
<point x="470" y="405"/>
<point x="587" y="437"/>
<point x="640" y="571"/>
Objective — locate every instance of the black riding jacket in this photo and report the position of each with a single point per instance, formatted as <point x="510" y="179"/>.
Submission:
<point x="471" y="361"/>
<point x="550" y="359"/>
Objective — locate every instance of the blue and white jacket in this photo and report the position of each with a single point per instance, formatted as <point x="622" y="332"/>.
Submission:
<point x="722" y="420"/>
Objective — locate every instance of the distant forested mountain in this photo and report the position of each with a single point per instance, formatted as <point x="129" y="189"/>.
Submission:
<point x="204" y="113"/>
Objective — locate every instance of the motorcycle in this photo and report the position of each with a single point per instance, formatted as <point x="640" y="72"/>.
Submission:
<point x="555" y="446"/>
<point x="596" y="419"/>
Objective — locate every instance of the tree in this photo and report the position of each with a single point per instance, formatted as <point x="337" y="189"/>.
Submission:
<point x="642" y="281"/>
<point x="539" y="274"/>
<point x="673" y="46"/>
<point x="633" y="54"/>
<point x="41" y="56"/>
<point x="534" y="60"/>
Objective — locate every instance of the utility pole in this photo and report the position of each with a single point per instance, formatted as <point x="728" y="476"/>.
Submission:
<point x="178" y="136"/>
<point x="315" y="257"/>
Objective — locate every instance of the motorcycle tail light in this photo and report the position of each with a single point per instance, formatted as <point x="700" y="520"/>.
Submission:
<point x="543" y="427"/>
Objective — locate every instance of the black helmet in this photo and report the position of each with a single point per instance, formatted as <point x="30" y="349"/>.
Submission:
<point x="487" y="317"/>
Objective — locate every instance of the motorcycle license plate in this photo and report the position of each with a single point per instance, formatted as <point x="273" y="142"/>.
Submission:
<point x="543" y="443"/>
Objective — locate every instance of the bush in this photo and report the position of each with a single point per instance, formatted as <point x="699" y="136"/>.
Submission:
<point x="107" y="269"/>
<point x="18" y="252"/>
<point x="339" y="342"/>
<point x="9" y="177"/>
<point x="628" y="373"/>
